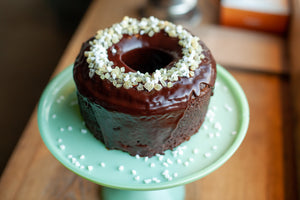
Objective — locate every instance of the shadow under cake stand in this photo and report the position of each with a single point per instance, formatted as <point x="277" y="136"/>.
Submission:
<point x="127" y="177"/>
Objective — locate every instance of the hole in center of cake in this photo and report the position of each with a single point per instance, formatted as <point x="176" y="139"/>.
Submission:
<point x="147" y="59"/>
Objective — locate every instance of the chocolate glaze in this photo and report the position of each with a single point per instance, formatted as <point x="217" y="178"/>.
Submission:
<point x="147" y="59"/>
<point x="159" y="42"/>
<point x="142" y="122"/>
<point x="133" y="101"/>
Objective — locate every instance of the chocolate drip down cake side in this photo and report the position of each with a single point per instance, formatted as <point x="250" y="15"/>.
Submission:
<point x="144" y="85"/>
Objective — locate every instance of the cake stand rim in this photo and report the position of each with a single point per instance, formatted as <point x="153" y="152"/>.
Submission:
<point x="221" y="71"/>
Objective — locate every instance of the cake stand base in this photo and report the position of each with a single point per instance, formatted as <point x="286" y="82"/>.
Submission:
<point x="175" y="193"/>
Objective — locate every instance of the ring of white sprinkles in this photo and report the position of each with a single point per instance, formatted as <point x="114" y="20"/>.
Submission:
<point x="99" y="63"/>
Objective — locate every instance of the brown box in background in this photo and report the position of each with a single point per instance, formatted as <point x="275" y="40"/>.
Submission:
<point x="264" y="15"/>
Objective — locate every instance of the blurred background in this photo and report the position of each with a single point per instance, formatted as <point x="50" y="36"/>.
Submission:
<point x="33" y="36"/>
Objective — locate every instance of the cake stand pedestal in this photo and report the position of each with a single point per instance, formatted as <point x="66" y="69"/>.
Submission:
<point x="127" y="177"/>
<point x="175" y="193"/>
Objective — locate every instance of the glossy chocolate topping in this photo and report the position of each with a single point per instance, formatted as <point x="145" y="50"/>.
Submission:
<point x="133" y="52"/>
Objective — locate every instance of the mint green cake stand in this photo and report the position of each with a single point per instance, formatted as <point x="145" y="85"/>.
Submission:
<point x="127" y="177"/>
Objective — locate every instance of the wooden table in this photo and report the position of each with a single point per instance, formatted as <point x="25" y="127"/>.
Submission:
<point x="262" y="168"/>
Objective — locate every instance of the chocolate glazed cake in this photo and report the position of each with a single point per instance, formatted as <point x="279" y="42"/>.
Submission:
<point x="144" y="85"/>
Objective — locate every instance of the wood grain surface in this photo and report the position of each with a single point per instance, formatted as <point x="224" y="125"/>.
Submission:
<point x="294" y="61"/>
<point x="256" y="171"/>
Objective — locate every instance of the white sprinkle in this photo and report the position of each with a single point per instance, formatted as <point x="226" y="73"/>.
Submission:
<point x="211" y="135"/>
<point x="84" y="131"/>
<point x="179" y="161"/>
<point x="146" y="159"/>
<point x="191" y="159"/>
<point x="102" y="164"/>
<point x="137" y="156"/>
<point x="109" y="69"/>
<point x="215" y="147"/>
<point x="70" y="128"/>
<point x="53" y="116"/>
<point x="210" y="114"/>
<point x="147" y="181"/>
<point x="234" y="132"/>
<point x="59" y="140"/>
<point x="82" y="157"/>
<point x="218" y="134"/>
<point x="152" y="165"/>
<point x="77" y="164"/>
<point x="73" y="160"/>
<point x="90" y="168"/>
<point x="195" y="151"/>
<point x="205" y="127"/>
<point x="175" y="153"/>
<point x="121" y="168"/>
<point x="165" y="172"/>
<point x="133" y="172"/>
<point x="62" y="147"/>
<point x="170" y="178"/>
<point x="175" y="174"/>
<point x="70" y="156"/>
<point x="156" y="180"/>
<point x="186" y="163"/>
<point x="207" y="154"/>
<point x="62" y="129"/>
<point x="165" y="164"/>
<point x="218" y="126"/>
<point x="137" y="178"/>
<point x="180" y="152"/>
<point x="113" y="50"/>
<point x="160" y="158"/>
<point x="169" y="161"/>
<point x="82" y="167"/>
<point x="227" y="107"/>
<point x="126" y="78"/>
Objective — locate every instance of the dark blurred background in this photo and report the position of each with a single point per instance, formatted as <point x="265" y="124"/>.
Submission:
<point x="33" y="35"/>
